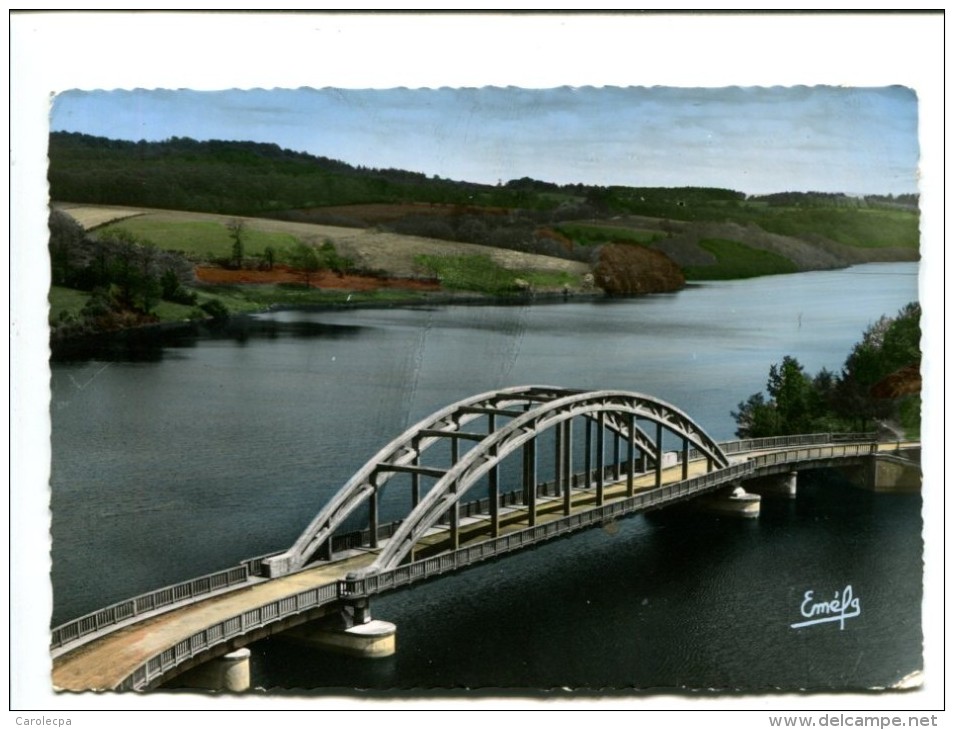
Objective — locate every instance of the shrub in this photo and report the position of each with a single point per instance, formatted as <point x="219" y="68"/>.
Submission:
<point x="215" y="309"/>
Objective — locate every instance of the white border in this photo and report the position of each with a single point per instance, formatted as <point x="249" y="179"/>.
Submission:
<point x="52" y="52"/>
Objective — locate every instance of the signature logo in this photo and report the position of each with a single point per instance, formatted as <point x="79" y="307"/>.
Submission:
<point x="841" y="608"/>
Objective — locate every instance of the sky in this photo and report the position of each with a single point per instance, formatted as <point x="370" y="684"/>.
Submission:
<point x="855" y="140"/>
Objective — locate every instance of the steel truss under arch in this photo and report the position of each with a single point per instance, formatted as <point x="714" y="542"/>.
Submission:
<point x="445" y="495"/>
<point x="531" y="410"/>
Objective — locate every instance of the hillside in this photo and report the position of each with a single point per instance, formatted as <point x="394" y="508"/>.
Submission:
<point x="260" y="180"/>
<point x="371" y="251"/>
<point x="183" y="229"/>
<point x="116" y="267"/>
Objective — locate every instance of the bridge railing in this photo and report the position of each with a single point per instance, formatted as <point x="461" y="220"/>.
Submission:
<point x="815" y="453"/>
<point x="352" y="588"/>
<point x="854" y="436"/>
<point x="277" y="610"/>
<point x="239" y="625"/>
<point x="805" y="439"/>
<point x="169" y="596"/>
<point x="105" y="617"/>
<point x="431" y="567"/>
<point x="227" y="629"/>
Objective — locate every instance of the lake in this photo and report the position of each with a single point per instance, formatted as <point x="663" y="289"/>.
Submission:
<point x="188" y="454"/>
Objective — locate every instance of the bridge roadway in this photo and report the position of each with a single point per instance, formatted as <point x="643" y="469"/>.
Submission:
<point x="105" y="662"/>
<point x="110" y="660"/>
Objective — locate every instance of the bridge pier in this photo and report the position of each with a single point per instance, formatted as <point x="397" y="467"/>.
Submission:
<point x="731" y="502"/>
<point x="887" y="473"/>
<point x="228" y="673"/>
<point x="351" y="631"/>
<point x="783" y="486"/>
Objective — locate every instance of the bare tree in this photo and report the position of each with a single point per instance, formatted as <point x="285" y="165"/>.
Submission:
<point x="236" y="229"/>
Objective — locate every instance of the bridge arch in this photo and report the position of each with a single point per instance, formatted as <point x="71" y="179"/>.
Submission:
<point x="451" y="487"/>
<point x="529" y="410"/>
<point x="403" y="451"/>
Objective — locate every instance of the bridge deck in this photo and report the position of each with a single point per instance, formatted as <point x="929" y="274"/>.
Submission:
<point x="105" y="662"/>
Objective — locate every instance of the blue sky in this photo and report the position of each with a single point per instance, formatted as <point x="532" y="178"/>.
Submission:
<point x="752" y="139"/>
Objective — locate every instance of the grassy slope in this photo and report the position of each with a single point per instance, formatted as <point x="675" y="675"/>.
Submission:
<point x="862" y="227"/>
<point x="204" y="237"/>
<point x="203" y="240"/>
<point x="735" y="260"/>
<point x="586" y="234"/>
<point x="477" y="273"/>
<point x="813" y="231"/>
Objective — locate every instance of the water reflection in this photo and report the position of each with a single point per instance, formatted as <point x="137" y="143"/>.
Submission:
<point x="153" y="344"/>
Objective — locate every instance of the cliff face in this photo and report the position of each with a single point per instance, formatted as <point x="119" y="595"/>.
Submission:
<point x="626" y="269"/>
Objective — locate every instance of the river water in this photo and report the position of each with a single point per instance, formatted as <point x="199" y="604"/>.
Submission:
<point x="181" y="457"/>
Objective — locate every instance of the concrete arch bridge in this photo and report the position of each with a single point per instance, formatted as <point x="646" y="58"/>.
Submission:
<point x="482" y="477"/>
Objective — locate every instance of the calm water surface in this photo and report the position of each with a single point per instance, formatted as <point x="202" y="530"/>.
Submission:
<point x="177" y="459"/>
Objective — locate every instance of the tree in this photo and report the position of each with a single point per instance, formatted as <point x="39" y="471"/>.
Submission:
<point x="887" y="356"/>
<point x="792" y="407"/>
<point x="66" y="235"/>
<point x="236" y="229"/>
<point x="132" y="267"/>
<point x="269" y="258"/>
<point x="755" y="418"/>
<point x="886" y="346"/>
<point x="305" y="258"/>
<point x="329" y="258"/>
<point x="789" y="387"/>
<point x="902" y="342"/>
<point x="122" y="264"/>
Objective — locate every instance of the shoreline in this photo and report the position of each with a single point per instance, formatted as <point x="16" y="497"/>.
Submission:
<point x="138" y="342"/>
<point x="144" y="338"/>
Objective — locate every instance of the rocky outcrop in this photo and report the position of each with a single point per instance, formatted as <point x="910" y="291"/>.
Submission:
<point x="626" y="269"/>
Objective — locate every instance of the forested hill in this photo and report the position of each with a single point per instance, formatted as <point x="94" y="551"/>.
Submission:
<point x="251" y="178"/>
<point x="689" y="224"/>
<point x="243" y="178"/>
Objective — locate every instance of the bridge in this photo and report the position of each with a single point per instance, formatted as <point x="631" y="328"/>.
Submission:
<point x="485" y="476"/>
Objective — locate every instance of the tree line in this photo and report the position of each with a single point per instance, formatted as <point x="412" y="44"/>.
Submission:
<point x="126" y="277"/>
<point x="265" y="180"/>
<point x="879" y="385"/>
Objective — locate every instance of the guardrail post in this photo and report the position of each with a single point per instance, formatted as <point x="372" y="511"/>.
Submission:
<point x="567" y="465"/>
<point x="601" y="457"/>
<point x="373" y="515"/>
<point x="617" y="471"/>
<point x="493" y="489"/>
<point x="685" y="459"/>
<point x="530" y="479"/>
<point x="455" y="523"/>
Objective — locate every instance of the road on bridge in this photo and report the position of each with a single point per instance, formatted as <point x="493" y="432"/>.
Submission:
<point x="103" y="663"/>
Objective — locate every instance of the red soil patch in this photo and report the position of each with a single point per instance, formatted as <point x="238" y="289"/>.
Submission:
<point x="321" y="280"/>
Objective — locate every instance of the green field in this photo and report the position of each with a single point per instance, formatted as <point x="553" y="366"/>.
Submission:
<point x="68" y="301"/>
<point x="862" y="227"/>
<point x="204" y="240"/>
<point x="593" y="235"/>
<point x="481" y="274"/>
<point x="738" y="261"/>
